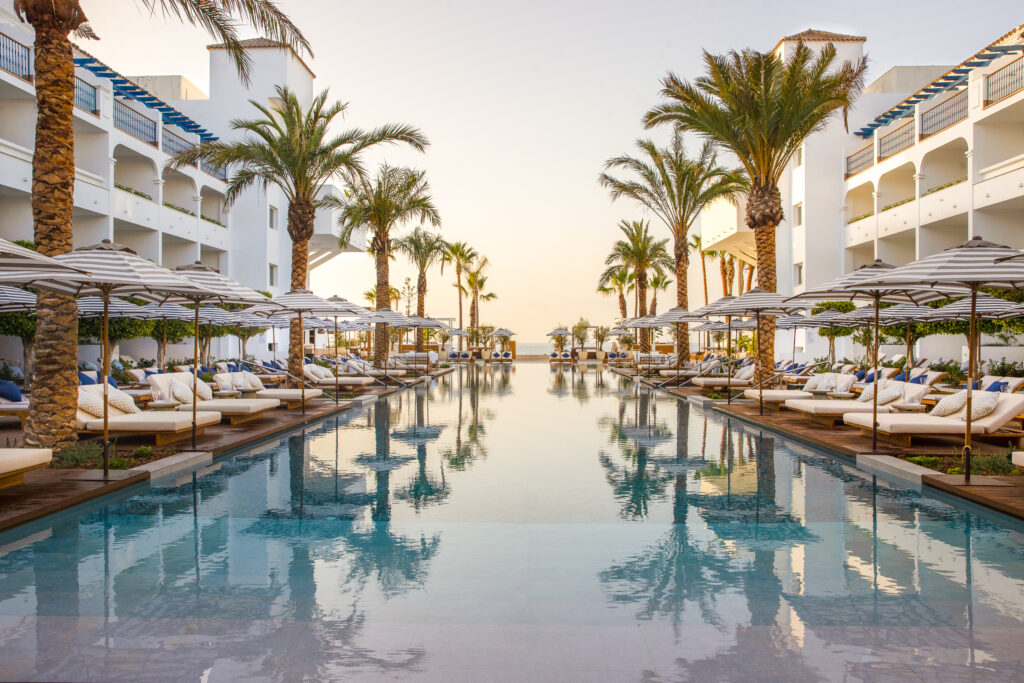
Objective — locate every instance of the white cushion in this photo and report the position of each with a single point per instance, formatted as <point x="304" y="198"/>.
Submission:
<point x="869" y="391"/>
<point x="983" y="403"/>
<point x="950" y="404"/>
<point x="833" y="407"/>
<point x="122" y="401"/>
<point x="203" y="390"/>
<point x="745" y="373"/>
<point x="777" y="395"/>
<point x="814" y="382"/>
<point x="180" y="392"/>
<point x="254" y="382"/>
<point x="889" y="394"/>
<point x="14" y="459"/>
<point x="90" y="403"/>
<point x="156" y="421"/>
<point x="844" y="383"/>
<point x="235" y="406"/>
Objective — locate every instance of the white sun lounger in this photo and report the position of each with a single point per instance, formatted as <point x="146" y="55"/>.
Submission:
<point x="289" y="398"/>
<point x="15" y="462"/>
<point x="828" y="411"/>
<point x="165" y="425"/>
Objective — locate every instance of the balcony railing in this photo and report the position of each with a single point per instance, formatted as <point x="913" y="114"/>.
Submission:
<point x="85" y="97"/>
<point x="218" y="172"/>
<point x="944" y="115"/>
<point x="15" y="58"/>
<point x="174" y="144"/>
<point x="134" y="123"/>
<point x="1001" y="84"/>
<point x="896" y="141"/>
<point x="861" y="159"/>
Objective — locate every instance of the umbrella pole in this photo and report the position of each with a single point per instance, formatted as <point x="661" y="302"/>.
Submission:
<point x="874" y="377"/>
<point x="302" y="363"/>
<point x="195" y="373"/>
<point x="908" y="364"/>
<point x="728" y="359"/>
<point x="760" y="383"/>
<point x="104" y="340"/>
<point x="970" y="385"/>
<point x="273" y="341"/>
<point x="794" y="346"/>
<point x="336" y="380"/>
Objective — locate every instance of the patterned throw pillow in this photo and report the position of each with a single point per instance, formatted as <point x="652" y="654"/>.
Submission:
<point x="814" y="383"/>
<point x="239" y="382"/>
<point x="204" y="391"/>
<point x="867" y="394"/>
<point x="983" y="404"/>
<point x="122" y="401"/>
<point x="254" y="382"/>
<point x="844" y="383"/>
<point x="180" y="392"/>
<point x="950" y="404"/>
<point x="90" y="403"/>
<point x="889" y="394"/>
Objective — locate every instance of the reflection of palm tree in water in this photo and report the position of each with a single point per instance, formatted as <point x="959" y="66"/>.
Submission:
<point x="381" y="509"/>
<point x="423" y="489"/>
<point x="763" y="588"/>
<point x="463" y="453"/>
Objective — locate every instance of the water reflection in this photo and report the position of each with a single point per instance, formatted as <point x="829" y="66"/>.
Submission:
<point x="522" y="523"/>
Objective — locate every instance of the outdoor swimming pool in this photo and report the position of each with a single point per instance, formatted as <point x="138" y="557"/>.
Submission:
<point x="517" y="523"/>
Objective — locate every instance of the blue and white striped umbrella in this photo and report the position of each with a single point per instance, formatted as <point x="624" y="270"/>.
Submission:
<point x="14" y="300"/>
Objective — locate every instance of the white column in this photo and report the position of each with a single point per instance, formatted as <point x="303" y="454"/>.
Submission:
<point x="876" y="198"/>
<point x="970" y="192"/>
<point x="918" y="183"/>
<point x="197" y="204"/>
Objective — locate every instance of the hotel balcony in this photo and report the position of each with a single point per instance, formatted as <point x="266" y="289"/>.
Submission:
<point x="723" y="227"/>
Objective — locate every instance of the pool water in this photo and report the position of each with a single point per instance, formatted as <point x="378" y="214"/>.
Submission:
<point x="517" y="523"/>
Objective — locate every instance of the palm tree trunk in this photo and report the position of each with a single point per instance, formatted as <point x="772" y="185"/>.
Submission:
<point x="380" y="333"/>
<point x="641" y="287"/>
<point x="723" y="270"/>
<point x="682" y="294"/>
<point x="739" y="277"/>
<point x="28" y="351"/>
<point x="300" y="228"/>
<point x="764" y="213"/>
<point x="421" y="307"/>
<point x="623" y="312"/>
<point x="458" y="287"/>
<point x="750" y="277"/>
<point x="51" y="418"/>
<point x="704" y="275"/>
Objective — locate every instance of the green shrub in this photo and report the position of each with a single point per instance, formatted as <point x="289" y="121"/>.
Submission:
<point x="119" y="463"/>
<point x="206" y="376"/>
<point x="992" y="464"/>
<point x="143" y="452"/>
<point x="929" y="461"/>
<point x="81" y="455"/>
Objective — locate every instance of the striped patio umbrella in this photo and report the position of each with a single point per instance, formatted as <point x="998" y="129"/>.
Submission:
<point x="906" y="314"/>
<point x="676" y="317"/>
<point x="300" y="302"/>
<point x="986" y="307"/>
<point x="93" y="307"/>
<point x="966" y="267"/>
<point x="502" y="332"/>
<point x="561" y="332"/>
<point x="865" y="283"/>
<point x="757" y="302"/>
<point x="345" y="308"/>
<point x="15" y="258"/>
<point x="711" y="311"/>
<point x="114" y="270"/>
<point x="15" y="300"/>
<point x="791" y="322"/>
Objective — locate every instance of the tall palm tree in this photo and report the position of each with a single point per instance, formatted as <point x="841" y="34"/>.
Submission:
<point x="762" y="108"/>
<point x="461" y="256"/>
<point x="698" y="246"/>
<point x="394" y="196"/>
<point x="726" y="268"/>
<point x="394" y="296"/>
<point x="641" y="254"/>
<point x="620" y="283"/>
<point x="424" y="249"/>
<point x="675" y="188"/>
<point x="657" y="282"/>
<point x="476" y="282"/>
<point x="51" y="420"/>
<point x="294" y="150"/>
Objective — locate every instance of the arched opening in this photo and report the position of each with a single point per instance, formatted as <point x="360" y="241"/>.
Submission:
<point x="944" y="167"/>
<point x="859" y="203"/>
<point x="212" y="205"/>
<point x="179" y="191"/>
<point x="896" y="187"/>
<point x="135" y="173"/>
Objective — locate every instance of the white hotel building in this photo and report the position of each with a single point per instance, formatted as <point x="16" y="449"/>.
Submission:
<point x="126" y="129"/>
<point x="934" y="156"/>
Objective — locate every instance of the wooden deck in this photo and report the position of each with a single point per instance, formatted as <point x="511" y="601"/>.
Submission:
<point x="47" y="491"/>
<point x="1003" y="494"/>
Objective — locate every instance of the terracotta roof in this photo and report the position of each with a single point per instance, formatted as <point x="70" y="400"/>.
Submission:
<point x="257" y="43"/>
<point x="813" y="34"/>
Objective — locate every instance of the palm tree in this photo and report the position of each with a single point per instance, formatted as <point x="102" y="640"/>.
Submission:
<point x="394" y="196"/>
<point x="461" y="256"/>
<point x="424" y="249"/>
<point x="675" y="188"/>
<point x="394" y="296"/>
<point x="294" y="150"/>
<point x="620" y="282"/>
<point x="698" y="246"/>
<point x="640" y="254"/>
<point x="51" y="419"/>
<point x="657" y="282"/>
<point x="726" y="268"/>
<point x="476" y="281"/>
<point x="762" y="108"/>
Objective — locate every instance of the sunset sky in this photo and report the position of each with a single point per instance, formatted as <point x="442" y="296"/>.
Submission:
<point x="523" y="102"/>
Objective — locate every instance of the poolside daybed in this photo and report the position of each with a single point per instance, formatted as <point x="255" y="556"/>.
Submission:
<point x="15" y="462"/>
<point x="248" y="383"/>
<point x="829" y="412"/>
<point x="237" y="410"/>
<point x="901" y="428"/>
<point x="318" y="376"/>
<point x="826" y="381"/>
<point x="165" y="425"/>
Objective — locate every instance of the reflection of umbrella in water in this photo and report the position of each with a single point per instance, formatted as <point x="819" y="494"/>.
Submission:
<point x="750" y="519"/>
<point x="417" y="435"/>
<point x="650" y="436"/>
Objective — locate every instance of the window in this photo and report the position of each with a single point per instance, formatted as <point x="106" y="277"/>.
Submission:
<point x="273" y="218"/>
<point x="272" y="275"/>
<point x="798" y="215"/>
<point x="798" y="158"/>
<point x="798" y="274"/>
